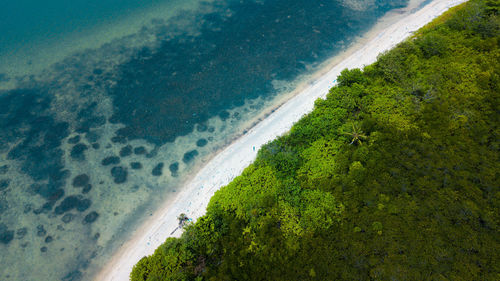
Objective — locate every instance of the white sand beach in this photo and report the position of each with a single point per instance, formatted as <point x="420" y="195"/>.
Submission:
<point x="230" y="162"/>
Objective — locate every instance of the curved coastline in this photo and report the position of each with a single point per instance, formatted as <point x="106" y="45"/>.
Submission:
<point x="393" y="28"/>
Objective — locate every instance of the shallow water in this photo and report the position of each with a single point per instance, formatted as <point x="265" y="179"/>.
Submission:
<point x="90" y="145"/>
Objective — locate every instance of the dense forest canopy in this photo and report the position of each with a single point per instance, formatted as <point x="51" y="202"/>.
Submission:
<point x="394" y="176"/>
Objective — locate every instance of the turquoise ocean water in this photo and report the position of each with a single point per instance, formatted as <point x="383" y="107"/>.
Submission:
<point x="106" y="106"/>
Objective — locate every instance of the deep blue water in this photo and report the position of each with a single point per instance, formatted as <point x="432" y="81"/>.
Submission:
<point x="89" y="146"/>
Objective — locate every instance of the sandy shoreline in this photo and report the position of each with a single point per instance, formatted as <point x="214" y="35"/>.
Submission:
<point x="230" y="162"/>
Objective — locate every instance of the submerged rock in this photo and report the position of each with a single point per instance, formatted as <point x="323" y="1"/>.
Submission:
<point x="110" y="160"/>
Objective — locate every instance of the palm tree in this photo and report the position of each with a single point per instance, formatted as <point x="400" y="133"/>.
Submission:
<point x="182" y="219"/>
<point x="356" y="134"/>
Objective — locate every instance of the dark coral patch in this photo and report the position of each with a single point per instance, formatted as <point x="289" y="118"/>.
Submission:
<point x="75" y="275"/>
<point x="4" y="183"/>
<point x="73" y="202"/>
<point x="90" y="217"/>
<point x="119" y="174"/>
<point x="153" y="152"/>
<point x="50" y="192"/>
<point x="37" y="136"/>
<point x="4" y="169"/>
<point x="110" y="160"/>
<point x="119" y="139"/>
<point x="46" y="207"/>
<point x="201" y="142"/>
<point x="21" y="232"/>
<point x="67" y="217"/>
<point x="4" y="77"/>
<point x="40" y="230"/>
<point x="67" y="204"/>
<point x="27" y="208"/>
<point x="87" y="118"/>
<point x="92" y="136"/>
<point x="158" y="170"/>
<point x="126" y="151"/>
<point x="201" y="127"/>
<point x="81" y="180"/>
<point x="139" y="150"/>
<point x="3" y="205"/>
<point x="174" y="167"/>
<point x="74" y="140"/>
<point x="78" y="152"/>
<point x="86" y="189"/>
<point x="83" y="205"/>
<point x="6" y="235"/>
<point x="136" y="165"/>
<point x="189" y="156"/>
<point x="224" y="115"/>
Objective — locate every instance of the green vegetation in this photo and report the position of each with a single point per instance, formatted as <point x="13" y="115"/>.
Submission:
<point x="395" y="176"/>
